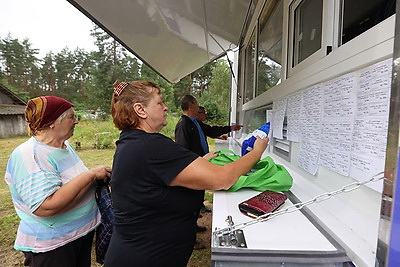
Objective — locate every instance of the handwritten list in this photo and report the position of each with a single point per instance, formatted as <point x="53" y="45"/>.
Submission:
<point x="310" y="128"/>
<point x="279" y="117"/>
<point x="337" y="123"/>
<point x="293" y="117"/>
<point x="341" y="124"/>
<point x="371" y="122"/>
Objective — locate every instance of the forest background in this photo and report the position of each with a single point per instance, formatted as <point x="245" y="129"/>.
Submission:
<point x="85" y="77"/>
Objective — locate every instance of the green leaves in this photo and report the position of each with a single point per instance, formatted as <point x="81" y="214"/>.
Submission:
<point x="86" y="78"/>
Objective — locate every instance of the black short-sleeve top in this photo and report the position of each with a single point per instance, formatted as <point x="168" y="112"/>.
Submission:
<point x="144" y="165"/>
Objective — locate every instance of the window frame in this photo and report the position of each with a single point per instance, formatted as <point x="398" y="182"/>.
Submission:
<point x="247" y="86"/>
<point x="328" y="15"/>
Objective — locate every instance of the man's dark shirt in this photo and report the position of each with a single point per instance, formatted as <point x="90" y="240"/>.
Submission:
<point x="187" y="134"/>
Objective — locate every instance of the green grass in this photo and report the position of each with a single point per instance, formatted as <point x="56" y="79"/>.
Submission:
<point x="8" y="218"/>
<point x="85" y="132"/>
<point x="103" y="134"/>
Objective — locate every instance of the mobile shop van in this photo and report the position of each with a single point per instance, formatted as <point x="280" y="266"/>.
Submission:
<point x="324" y="73"/>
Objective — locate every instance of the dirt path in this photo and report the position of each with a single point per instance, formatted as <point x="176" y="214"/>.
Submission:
<point x="202" y="257"/>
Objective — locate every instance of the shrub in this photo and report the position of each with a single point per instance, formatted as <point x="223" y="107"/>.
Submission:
<point x="102" y="134"/>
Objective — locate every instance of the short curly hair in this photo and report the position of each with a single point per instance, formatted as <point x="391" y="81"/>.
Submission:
<point x="122" y="111"/>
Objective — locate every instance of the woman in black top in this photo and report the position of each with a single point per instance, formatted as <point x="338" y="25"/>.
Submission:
<point x="155" y="181"/>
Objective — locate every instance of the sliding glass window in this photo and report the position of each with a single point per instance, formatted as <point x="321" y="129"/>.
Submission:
<point x="307" y="29"/>
<point x="269" y="48"/>
<point x="360" y="15"/>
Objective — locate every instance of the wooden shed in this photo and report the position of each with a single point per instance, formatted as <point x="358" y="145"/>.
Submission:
<point x="12" y="119"/>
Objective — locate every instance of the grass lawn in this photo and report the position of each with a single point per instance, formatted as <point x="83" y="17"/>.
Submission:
<point x="85" y="133"/>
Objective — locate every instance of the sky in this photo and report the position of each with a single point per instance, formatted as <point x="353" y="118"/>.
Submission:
<point x="50" y="25"/>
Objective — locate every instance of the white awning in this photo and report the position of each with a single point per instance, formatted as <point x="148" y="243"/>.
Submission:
<point x="174" y="37"/>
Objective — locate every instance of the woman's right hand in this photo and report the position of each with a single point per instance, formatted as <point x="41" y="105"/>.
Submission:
<point x="261" y="144"/>
<point x="101" y="173"/>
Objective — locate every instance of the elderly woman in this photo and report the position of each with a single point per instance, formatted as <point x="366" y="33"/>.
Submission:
<point x="156" y="182"/>
<point x="52" y="190"/>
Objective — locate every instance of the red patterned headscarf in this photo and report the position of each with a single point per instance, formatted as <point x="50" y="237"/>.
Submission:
<point x="42" y="111"/>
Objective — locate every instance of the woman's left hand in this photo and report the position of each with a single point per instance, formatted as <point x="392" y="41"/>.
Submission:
<point x="210" y="155"/>
<point x="70" y="193"/>
<point x="101" y="173"/>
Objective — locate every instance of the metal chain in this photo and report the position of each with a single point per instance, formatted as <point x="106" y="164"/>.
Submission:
<point x="298" y="206"/>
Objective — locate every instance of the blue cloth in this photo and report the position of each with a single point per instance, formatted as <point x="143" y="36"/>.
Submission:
<point x="104" y="230"/>
<point x="203" y="140"/>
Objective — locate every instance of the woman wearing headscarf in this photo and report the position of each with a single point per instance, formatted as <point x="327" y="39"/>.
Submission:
<point x="155" y="182"/>
<point x="52" y="190"/>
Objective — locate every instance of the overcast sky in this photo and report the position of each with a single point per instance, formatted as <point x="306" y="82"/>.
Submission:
<point x="50" y="25"/>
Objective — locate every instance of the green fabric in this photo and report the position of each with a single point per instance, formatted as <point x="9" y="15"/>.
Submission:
<point x="225" y="156"/>
<point x="265" y="175"/>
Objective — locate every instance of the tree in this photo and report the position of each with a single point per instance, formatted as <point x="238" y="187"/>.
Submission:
<point x="10" y="51"/>
<point x="112" y="62"/>
<point x="65" y="73"/>
<point x="86" y="78"/>
<point x="181" y="88"/>
<point x="83" y="65"/>
<point x="20" y="64"/>
<point x="130" y="68"/>
<point x="220" y="84"/>
<point x="269" y="73"/>
<point x="48" y="73"/>
<point x="216" y="99"/>
<point x="202" y="78"/>
<point x="30" y="75"/>
<point x="167" y="88"/>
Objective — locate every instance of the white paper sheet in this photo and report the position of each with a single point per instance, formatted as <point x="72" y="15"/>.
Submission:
<point x="310" y="128"/>
<point x="371" y="122"/>
<point x="279" y="117"/>
<point x="337" y="123"/>
<point x="293" y="117"/>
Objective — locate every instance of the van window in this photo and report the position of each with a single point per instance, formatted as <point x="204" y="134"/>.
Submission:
<point x="307" y="29"/>
<point x="269" y="49"/>
<point x="360" y="15"/>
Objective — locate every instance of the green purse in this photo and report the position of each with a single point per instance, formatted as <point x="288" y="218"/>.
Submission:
<point x="265" y="175"/>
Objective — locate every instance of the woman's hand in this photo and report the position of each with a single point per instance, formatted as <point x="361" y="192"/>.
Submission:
<point x="101" y="173"/>
<point x="70" y="193"/>
<point x="201" y="174"/>
<point x="210" y="155"/>
<point x="261" y="144"/>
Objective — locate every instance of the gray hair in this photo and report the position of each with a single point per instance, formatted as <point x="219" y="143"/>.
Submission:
<point x="62" y="116"/>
